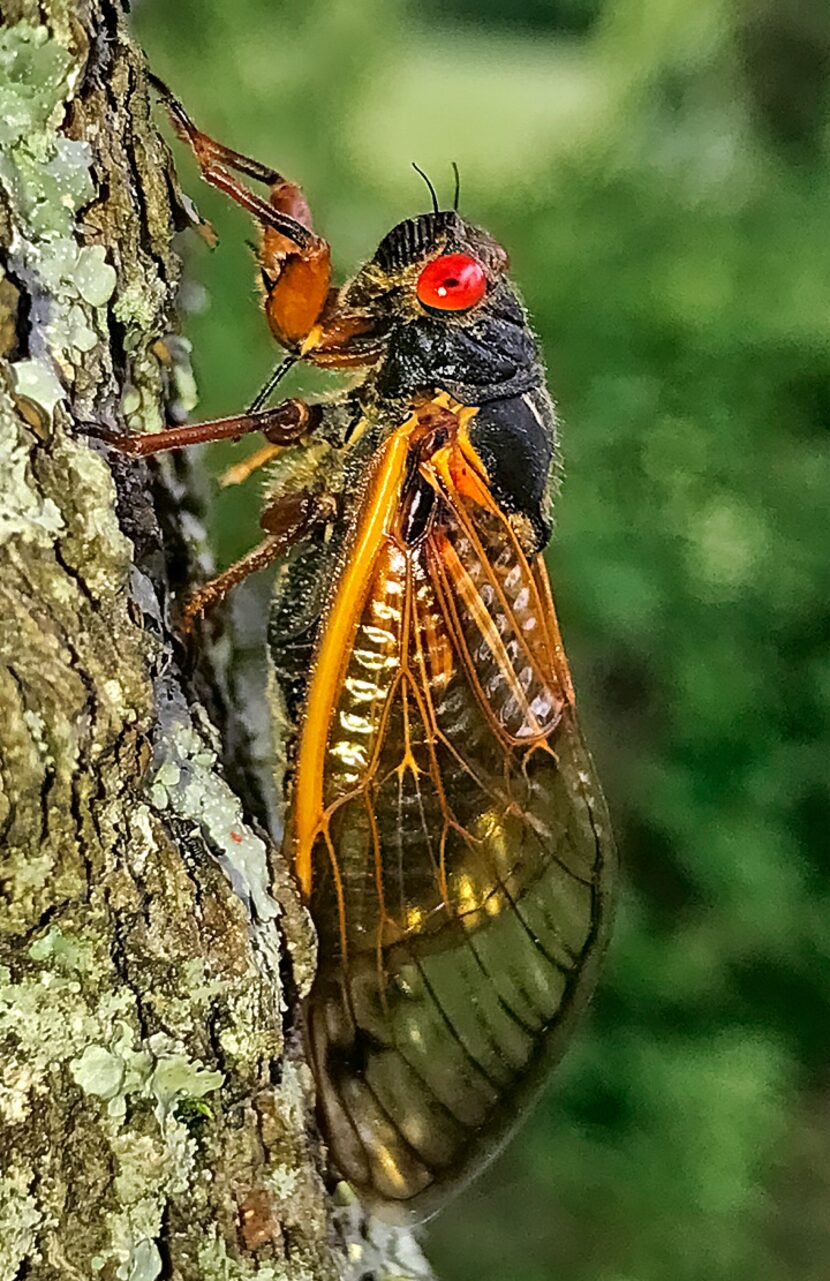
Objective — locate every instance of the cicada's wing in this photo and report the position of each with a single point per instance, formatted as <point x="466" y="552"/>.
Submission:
<point x="462" y="859"/>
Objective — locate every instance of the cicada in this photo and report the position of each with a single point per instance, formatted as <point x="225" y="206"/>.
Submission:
<point x="443" y="816"/>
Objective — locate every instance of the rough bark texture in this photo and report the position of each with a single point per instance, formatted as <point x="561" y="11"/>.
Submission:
<point x="155" y="1111"/>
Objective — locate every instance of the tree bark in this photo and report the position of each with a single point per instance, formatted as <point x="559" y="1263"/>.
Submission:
<point x="156" y="1114"/>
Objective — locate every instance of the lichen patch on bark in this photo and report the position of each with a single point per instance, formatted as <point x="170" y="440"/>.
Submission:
<point x="155" y="1109"/>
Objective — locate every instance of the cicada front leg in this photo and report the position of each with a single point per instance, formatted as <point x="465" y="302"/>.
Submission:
<point x="303" y="311"/>
<point x="295" y="262"/>
<point x="305" y="314"/>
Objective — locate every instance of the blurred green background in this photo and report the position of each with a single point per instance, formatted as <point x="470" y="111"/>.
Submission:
<point x="659" y="172"/>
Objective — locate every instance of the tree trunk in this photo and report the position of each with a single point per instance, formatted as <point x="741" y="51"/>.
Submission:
<point x="156" y="1115"/>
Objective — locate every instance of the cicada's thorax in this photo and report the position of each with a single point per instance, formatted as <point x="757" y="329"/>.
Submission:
<point x="491" y="366"/>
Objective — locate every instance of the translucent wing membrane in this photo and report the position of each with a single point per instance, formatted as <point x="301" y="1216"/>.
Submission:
<point x="498" y="622"/>
<point x="460" y="860"/>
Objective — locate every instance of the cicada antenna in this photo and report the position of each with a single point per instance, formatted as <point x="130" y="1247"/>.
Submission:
<point x="432" y="192"/>
<point x="457" y="194"/>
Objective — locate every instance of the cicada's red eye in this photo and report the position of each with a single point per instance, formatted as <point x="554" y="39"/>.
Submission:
<point x="453" y="282"/>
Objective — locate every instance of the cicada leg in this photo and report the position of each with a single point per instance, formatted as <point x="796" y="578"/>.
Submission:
<point x="286" y="520"/>
<point x="285" y="424"/>
<point x="286" y="209"/>
<point x="239" y="472"/>
<point x="295" y="262"/>
<point x="304" y="312"/>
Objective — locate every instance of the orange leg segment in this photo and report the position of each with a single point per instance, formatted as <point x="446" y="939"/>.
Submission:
<point x="287" y="211"/>
<point x="295" y="263"/>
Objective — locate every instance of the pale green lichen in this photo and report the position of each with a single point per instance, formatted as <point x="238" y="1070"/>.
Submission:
<point x="47" y="178"/>
<point x="149" y="1167"/>
<point x="93" y="276"/>
<point x="99" y="1071"/>
<point x="37" y="382"/>
<point x="36" y="726"/>
<point x="199" y="990"/>
<point x="96" y="541"/>
<point x="281" y="1181"/>
<point x="143" y="1263"/>
<point x="20" y="1217"/>
<point x="176" y="1078"/>
<point x="45" y="1020"/>
<point x="216" y="1264"/>
<point x="138" y="305"/>
<point x="133" y="1234"/>
<point x="155" y="1070"/>
<point x="27" y="875"/>
<point x="33" y="71"/>
<point x="66" y="951"/>
<point x="144" y="1177"/>
<point x="185" y="782"/>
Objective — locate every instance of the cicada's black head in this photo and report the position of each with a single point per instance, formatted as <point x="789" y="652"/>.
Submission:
<point x="437" y="288"/>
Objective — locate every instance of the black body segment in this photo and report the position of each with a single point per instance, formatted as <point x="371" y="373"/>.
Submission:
<point x="516" y="439"/>
<point x="492" y="358"/>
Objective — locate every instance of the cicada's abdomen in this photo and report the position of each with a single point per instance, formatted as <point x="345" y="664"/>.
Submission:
<point x="427" y="1051"/>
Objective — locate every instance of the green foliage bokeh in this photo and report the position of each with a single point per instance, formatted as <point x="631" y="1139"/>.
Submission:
<point x="658" y="170"/>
